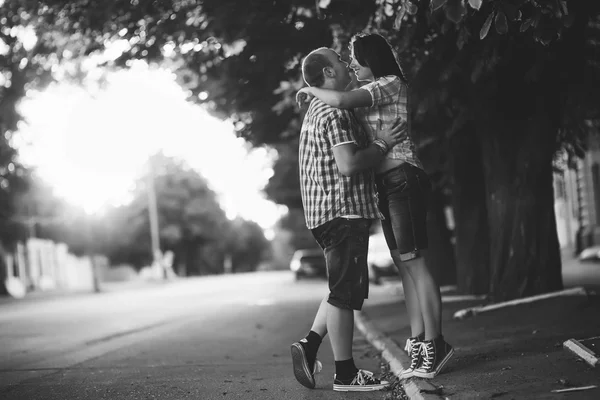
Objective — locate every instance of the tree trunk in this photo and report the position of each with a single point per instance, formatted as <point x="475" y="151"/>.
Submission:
<point x="524" y="251"/>
<point x="440" y="254"/>
<point x="471" y="230"/>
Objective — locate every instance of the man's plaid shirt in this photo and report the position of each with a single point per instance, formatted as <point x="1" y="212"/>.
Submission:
<point x="326" y="193"/>
<point x="390" y="98"/>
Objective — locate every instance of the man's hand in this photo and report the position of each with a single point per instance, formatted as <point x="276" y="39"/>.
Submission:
<point x="303" y="96"/>
<point x="395" y="134"/>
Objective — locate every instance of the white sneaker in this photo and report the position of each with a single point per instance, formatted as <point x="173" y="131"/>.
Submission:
<point x="416" y="356"/>
<point x="435" y="354"/>
<point x="363" y="381"/>
<point x="410" y="342"/>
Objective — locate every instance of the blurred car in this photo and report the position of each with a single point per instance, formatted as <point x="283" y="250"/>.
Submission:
<point x="379" y="260"/>
<point x="308" y="263"/>
<point x="590" y="254"/>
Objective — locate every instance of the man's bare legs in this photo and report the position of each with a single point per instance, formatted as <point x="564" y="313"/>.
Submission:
<point x="304" y="352"/>
<point x="340" y="324"/>
<point x="319" y="325"/>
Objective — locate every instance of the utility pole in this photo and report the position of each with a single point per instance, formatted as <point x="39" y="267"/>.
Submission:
<point x="31" y="221"/>
<point x="89" y="242"/>
<point x="153" y="214"/>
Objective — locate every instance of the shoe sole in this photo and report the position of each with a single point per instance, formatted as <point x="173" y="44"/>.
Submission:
<point x="358" y="388"/>
<point x="301" y="369"/>
<point x="407" y="374"/>
<point x="430" y="375"/>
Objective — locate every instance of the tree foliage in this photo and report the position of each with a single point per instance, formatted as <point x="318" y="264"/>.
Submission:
<point x="192" y="224"/>
<point x="515" y="75"/>
<point x="33" y="42"/>
<point x="37" y="211"/>
<point x="247" y="245"/>
<point x="242" y="58"/>
<point x="513" y="92"/>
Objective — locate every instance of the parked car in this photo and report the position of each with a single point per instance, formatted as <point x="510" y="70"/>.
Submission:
<point x="379" y="260"/>
<point x="311" y="262"/>
<point x="590" y="254"/>
<point x="308" y="263"/>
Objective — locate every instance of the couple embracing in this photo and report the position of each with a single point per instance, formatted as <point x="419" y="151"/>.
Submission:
<point x="358" y="163"/>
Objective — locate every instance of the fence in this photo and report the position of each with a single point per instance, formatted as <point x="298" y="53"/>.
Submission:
<point x="42" y="265"/>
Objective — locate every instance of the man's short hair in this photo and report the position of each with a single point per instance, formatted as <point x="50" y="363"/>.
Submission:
<point x="312" y="67"/>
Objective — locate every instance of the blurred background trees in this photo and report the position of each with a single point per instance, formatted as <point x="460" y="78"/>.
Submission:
<point x="499" y="88"/>
<point x="192" y="223"/>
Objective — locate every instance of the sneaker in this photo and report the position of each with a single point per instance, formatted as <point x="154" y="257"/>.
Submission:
<point x="415" y="361"/>
<point x="363" y="381"/>
<point x="435" y="354"/>
<point x="302" y="371"/>
<point x="410" y="342"/>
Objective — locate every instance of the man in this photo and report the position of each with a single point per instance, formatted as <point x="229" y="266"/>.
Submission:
<point x="338" y="195"/>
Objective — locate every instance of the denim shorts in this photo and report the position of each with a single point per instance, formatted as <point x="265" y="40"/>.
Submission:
<point x="345" y="242"/>
<point x="403" y="193"/>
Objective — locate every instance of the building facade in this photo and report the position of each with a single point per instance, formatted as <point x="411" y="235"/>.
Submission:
<point x="577" y="201"/>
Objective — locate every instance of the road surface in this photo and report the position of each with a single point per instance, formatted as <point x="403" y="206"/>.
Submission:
<point x="219" y="337"/>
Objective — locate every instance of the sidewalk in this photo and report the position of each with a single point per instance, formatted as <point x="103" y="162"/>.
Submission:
<point x="510" y="353"/>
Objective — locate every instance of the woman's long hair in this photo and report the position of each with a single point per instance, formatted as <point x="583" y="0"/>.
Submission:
<point x="374" y="51"/>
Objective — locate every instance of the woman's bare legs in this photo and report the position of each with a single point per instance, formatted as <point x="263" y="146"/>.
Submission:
<point x="413" y="307"/>
<point x="428" y="294"/>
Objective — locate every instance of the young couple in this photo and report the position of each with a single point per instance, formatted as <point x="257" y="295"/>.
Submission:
<point x="358" y="164"/>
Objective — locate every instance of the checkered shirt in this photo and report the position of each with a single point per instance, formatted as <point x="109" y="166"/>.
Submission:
<point x="326" y="193"/>
<point x="390" y="97"/>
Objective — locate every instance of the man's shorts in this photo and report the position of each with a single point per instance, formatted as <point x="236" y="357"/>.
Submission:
<point x="345" y="242"/>
<point x="403" y="193"/>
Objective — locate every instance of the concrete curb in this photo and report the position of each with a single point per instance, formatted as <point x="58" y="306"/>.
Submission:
<point x="472" y="311"/>
<point x="581" y="351"/>
<point x="415" y="388"/>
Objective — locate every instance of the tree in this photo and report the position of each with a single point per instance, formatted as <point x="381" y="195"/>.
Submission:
<point x="42" y="214"/>
<point x="284" y="186"/>
<point x="191" y="221"/>
<point x="246" y="245"/>
<point x="492" y="71"/>
<point x="34" y="39"/>
<point x="508" y="103"/>
<point x="492" y="102"/>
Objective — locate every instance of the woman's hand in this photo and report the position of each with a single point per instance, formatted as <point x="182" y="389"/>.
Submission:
<point x="304" y="95"/>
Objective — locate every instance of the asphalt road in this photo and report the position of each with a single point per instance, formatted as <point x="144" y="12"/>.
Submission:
<point x="222" y="337"/>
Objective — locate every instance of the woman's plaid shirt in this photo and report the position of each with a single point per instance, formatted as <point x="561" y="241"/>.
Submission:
<point x="326" y="193"/>
<point x="390" y="103"/>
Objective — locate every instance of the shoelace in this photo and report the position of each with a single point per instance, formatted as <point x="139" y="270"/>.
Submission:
<point x="363" y="378"/>
<point x="428" y="353"/>
<point x="410" y="342"/>
<point x="414" y="355"/>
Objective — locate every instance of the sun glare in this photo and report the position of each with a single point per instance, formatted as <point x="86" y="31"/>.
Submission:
<point x="91" y="148"/>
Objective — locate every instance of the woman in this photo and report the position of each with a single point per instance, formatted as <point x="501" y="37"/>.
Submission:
<point x="403" y="188"/>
